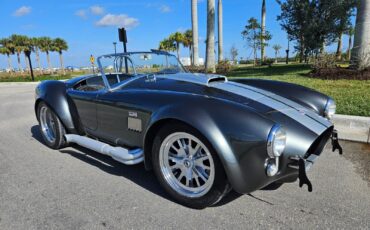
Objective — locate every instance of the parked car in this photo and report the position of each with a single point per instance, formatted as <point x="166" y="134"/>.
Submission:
<point x="202" y="135"/>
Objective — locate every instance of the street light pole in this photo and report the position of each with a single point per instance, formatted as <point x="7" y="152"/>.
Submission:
<point x="115" y="49"/>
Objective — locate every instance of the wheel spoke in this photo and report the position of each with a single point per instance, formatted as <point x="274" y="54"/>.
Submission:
<point x="193" y="151"/>
<point x="189" y="176"/>
<point x="204" y="176"/>
<point x="181" y="151"/>
<point x="175" y="159"/>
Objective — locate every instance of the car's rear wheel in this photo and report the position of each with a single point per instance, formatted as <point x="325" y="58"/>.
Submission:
<point x="187" y="167"/>
<point x="51" y="128"/>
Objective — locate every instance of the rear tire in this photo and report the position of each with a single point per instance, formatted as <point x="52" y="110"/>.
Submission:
<point x="187" y="167"/>
<point x="51" y="128"/>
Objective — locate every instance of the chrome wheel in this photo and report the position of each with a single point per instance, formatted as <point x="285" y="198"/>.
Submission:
<point x="47" y="124"/>
<point x="186" y="164"/>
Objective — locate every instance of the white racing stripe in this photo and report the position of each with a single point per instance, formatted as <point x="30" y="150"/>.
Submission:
<point x="266" y="99"/>
<point x="295" y="111"/>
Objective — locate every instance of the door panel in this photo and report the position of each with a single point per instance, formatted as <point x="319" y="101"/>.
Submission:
<point x="118" y="119"/>
<point x="85" y="102"/>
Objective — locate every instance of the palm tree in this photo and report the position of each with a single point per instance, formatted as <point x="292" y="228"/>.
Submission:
<point x="46" y="45"/>
<point x="263" y="28"/>
<point x="210" y="47"/>
<point x="361" y="49"/>
<point x="188" y="42"/>
<point x="220" y="31"/>
<point x="167" y="45"/>
<point x="177" y="38"/>
<point x="36" y="43"/>
<point x="28" y="48"/>
<point x="350" y="32"/>
<point x="8" y="49"/>
<point x="277" y="49"/>
<point x="194" y="23"/>
<point x="60" y="45"/>
<point x="18" y="41"/>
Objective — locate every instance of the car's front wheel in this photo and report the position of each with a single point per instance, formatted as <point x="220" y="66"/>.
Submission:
<point x="51" y="128"/>
<point x="187" y="167"/>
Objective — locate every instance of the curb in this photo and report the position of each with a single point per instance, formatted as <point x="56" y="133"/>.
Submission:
<point x="352" y="128"/>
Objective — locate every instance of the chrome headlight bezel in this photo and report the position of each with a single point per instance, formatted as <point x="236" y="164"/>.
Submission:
<point x="330" y="109"/>
<point x="276" y="141"/>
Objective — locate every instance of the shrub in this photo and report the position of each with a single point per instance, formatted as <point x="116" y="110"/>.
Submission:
<point x="224" y="67"/>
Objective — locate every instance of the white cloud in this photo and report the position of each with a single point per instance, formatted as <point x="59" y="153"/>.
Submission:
<point x="24" y="10"/>
<point x="81" y="13"/>
<point x="97" y="10"/>
<point x="120" y="20"/>
<point x="165" y="9"/>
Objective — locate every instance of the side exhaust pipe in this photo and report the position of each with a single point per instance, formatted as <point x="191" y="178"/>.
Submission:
<point x="125" y="156"/>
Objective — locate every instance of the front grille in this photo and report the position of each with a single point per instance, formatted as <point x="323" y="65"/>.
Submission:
<point x="319" y="144"/>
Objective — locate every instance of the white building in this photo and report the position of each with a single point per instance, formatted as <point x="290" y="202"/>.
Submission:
<point x="185" y="61"/>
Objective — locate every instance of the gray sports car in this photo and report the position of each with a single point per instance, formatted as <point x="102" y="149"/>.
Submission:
<point x="202" y="135"/>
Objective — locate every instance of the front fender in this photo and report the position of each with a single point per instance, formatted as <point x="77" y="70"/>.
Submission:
<point x="235" y="132"/>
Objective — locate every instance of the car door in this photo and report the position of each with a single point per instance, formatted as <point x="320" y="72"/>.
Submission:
<point x="84" y="96"/>
<point x="120" y="118"/>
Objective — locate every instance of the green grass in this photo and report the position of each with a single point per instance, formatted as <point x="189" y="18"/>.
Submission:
<point x="352" y="96"/>
<point x="27" y="78"/>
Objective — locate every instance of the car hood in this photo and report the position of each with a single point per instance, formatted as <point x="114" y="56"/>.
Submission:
<point x="265" y="102"/>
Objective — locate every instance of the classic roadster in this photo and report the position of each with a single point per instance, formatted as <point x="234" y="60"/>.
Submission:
<point x="201" y="134"/>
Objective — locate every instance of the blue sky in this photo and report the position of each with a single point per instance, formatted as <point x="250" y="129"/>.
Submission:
<point x="90" y="27"/>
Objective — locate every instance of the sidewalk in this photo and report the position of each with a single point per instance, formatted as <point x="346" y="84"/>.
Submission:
<point x="352" y="128"/>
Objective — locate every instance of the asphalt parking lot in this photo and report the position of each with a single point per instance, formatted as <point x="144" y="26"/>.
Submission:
<point x="72" y="188"/>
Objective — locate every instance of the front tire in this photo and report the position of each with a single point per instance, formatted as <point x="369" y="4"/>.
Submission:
<point x="51" y="128"/>
<point x="187" y="167"/>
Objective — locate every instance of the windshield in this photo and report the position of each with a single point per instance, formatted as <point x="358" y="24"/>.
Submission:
<point x="140" y="63"/>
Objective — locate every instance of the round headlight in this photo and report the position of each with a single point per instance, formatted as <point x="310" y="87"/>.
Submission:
<point x="330" y="109"/>
<point x="276" y="141"/>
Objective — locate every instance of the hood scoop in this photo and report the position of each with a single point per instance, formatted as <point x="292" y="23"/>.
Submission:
<point x="197" y="78"/>
<point x="216" y="79"/>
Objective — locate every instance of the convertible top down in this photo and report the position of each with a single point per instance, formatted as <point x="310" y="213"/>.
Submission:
<point x="202" y="135"/>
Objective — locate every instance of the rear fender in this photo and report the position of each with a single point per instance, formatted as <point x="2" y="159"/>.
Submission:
<point x="53" y="93"/>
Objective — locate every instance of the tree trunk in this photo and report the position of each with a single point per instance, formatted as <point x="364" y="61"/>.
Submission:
<point x="48" y="60"/>
<point x="301" y="51"/>
<point x="263" y="29"/>
<point x="220" y="32"/>
<point x="194" y="22"/>
<point x="276" y="57"/>
<point x="210" y="55"/>
<point x="10" y="67"/>
<point x="361" y="49"/>
<point x="27" y="63"/>
<point x="61" y="63"/>
<point x="38" y="59"/>
<point x="19" y="62"/>
<point x="178" y="50"/>
<point x="349" y="47"/>
<point x="191" y="55"/>
<point x="339" y="48"/>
